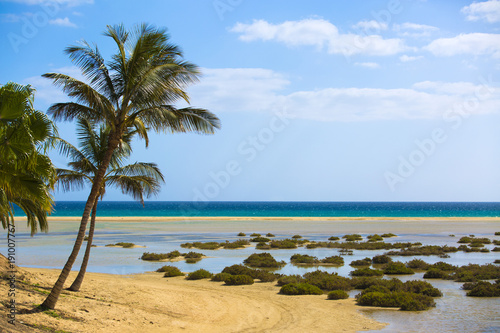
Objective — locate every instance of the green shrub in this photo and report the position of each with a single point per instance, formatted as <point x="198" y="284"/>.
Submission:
<point x="199" y="274"/>
<point x="283" y="244"/>
<point x="192" y="260"/>
<point x="193" y="255"/>
<point x="496" y="249"/>
<point x="464" y="240"/>
<point x="484" y="289"/>
<point x="443" y="266"/>
<point x="417" y="264"/>
<point x="263" y="276"/>
<point x="388" y="235"/>
<point x="333" y="260"/>
<point x="255" y="235"/>
<point x="404" y="300"/>
<point x="334" y="238"/>
<point x="300" y="289"/>
<point x="296" y="236"/>
<point x="155" y="256"/>
<point x="362" y="262"/>
<point x="435" y="273"/>
<point x="496" y="242"/>
<point x="497" y="233"/>
<point x="473" y="272"/>
<point x="397" y="267"/>
<point x="241" y="234"/>
<point x="352" y="237"/>
<point x="259" y="239"/>
<point x="327" y="281"/>
<point x="421" y="287"/>
<point x="170" y="271"/>
<point x="263" y="246"/>
<point x="220" y="277"/>
<point x="303" y="259"/>
<point x="427" y="250"/>
<point x="375" y="238"/>
<point x="237" y="280"/>
<point x="237" y="244"/>
<point x="381" y="259"/>
<point x="202" y="246"/>
<point x="263" y="260"/>
<point x="337" y="294"/>
<point x="125" y="245"/>
<point x="238" y="270"/>
<point x="367" y="272"/>
<point x="270" y="235"/>
<point x="287" y="279"/>
<point x="497" y="261"/>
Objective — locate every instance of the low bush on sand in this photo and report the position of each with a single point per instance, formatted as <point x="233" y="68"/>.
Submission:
<point x="337" y="294"/>
<point x="300" y="289"/>
<point x="238" y="280"/>
<point x="199" y="274"/>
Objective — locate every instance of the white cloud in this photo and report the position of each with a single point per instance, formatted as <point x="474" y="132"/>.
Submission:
<point x="371" y="65"/>
<point x="407" y="58"/>
<point x="251" y="90"/>
<point x="46" y="91"/>
<point x="370" y="26"/>
<point x="415" y="30"/>
<point x="70" y="3"/>
<point x="488" y="11"/>
<point x="473" y="43"/>
<point x="63" y="22"/>
<point x="319" y="33"/>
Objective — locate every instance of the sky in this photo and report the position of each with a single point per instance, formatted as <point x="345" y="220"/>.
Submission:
<point x="394" y="100"/>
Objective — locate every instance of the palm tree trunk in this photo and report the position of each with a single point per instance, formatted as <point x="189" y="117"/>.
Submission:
<point x="83" y="268"/>
<point x="51" y="300"/>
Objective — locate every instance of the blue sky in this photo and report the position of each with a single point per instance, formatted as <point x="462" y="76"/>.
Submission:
<point x="395" y="100"/>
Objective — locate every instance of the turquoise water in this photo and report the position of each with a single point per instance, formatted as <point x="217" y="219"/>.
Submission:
<point x="306" y="209"/>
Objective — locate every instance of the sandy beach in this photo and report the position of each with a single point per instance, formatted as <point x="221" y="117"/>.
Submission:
<point x="150" y="303"/>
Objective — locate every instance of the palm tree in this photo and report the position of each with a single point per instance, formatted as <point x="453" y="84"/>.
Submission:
<point x="137" y="179"/>
<point x="134" y="91"/>
<point x="26" y="173"/>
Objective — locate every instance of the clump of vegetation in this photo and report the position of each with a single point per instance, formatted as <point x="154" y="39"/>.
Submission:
<point x="263" y="246"/>
<point x="303" y="259"/>
<point x="283" y="244"/>
<point x="381" y="259"/>
<point x="170" y="271"/>
<point x="337" y="294"/>
<point x="417" y="264"/>
<point x="327" y="281"/>
<point x="367" y="272"/>
<point x="287" y="279"/>
<point x="497" y="233"/>
<point x="199" y="274"/>
<point x="202" y="246"/>
<point x="388" y="235"/>
<point x="397" y="267"/>
<point x="159" y="256"/>
<point x="220" y="277"/>
<point x="334" y="238"/>
<point x="361" y="262"/>
<point x="399" y="299"/>
<point x="496" y="249"/>
<point x="193" y="255"/>
<point x="300" y="289"/>
<point x="255" y="235"/>
<point x="238" y="280"/>
<point x="375" y="238"/>
<point x="241" y="234"/>
<point x="333" y="260"/>
<point x="352" y="237"/>
<point x="296" y="236"/>
<point x="472" y="239"/>
<point x="483" y="289"/>
<point x="427" y="250"/>
<point x="237" y="244"/>
<point x="263" y="260"/>
<point x="474" y="272"/>
<point x="270" y="235"/>
<point x="435" y="273"/>
<point x="262" y="275"/>
<point x="259" y="239"/>
<point x="443" y="266"/>
<point x="497" y="261"/>
<point x="122" y="244"/>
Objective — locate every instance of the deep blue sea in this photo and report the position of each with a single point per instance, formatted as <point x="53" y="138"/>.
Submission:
<point x="306" y="209"/>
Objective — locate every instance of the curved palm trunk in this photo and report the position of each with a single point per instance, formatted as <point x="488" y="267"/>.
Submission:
<point x="51" y="300"/>
<point x="83" y="268"/>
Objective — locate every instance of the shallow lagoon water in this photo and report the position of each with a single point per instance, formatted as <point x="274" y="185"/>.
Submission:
<point x="454" y="312"/>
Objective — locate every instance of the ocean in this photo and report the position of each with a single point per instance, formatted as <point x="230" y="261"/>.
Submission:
<point x="273" y="208"/>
